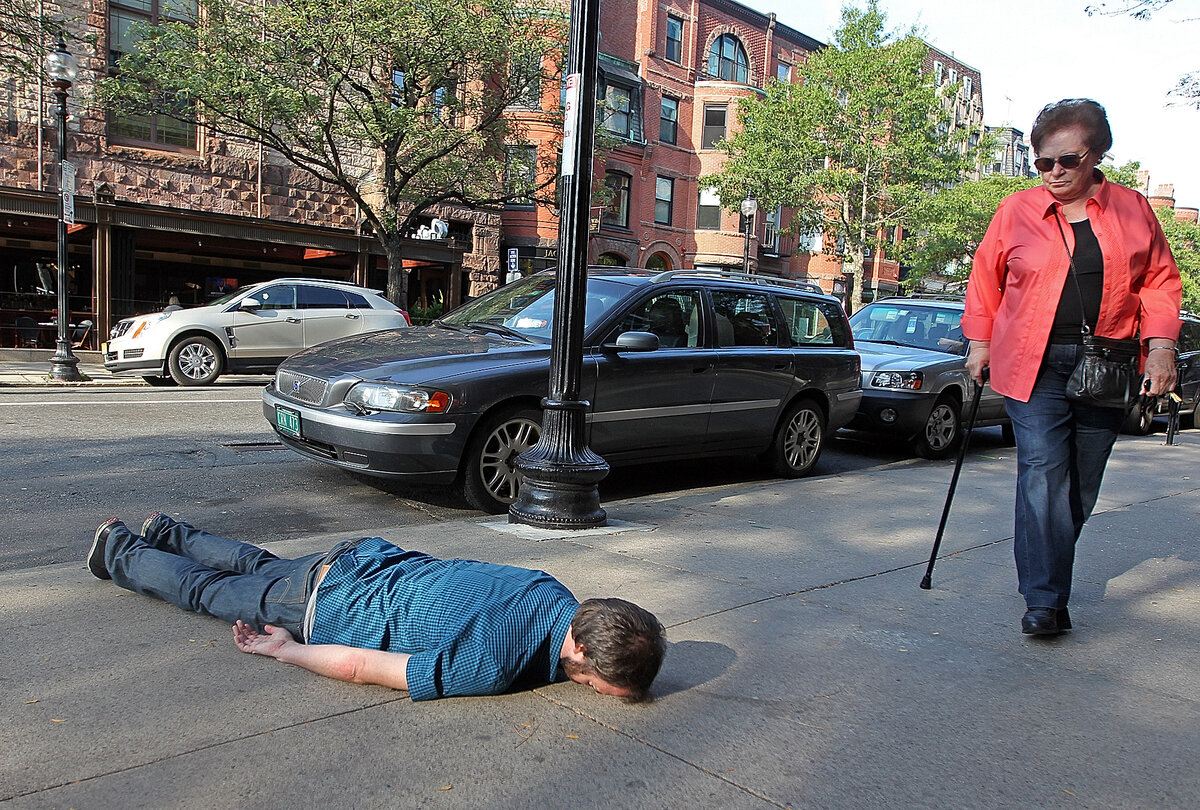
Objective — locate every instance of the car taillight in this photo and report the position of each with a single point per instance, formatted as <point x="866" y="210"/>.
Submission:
<point x="407" y="319"/>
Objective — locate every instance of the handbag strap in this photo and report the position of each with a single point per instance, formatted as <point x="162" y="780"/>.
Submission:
<point x="1083" y="327"/>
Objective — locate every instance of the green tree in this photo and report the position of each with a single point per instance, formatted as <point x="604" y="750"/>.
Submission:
<point x="1184" y="239"/>
<point x="399" y="103"/>
<point x="28" y="30"/>
<point x="852" y="147"/>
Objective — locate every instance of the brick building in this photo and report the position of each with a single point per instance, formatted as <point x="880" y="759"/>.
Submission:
<point x="673" y="74"/>
<point x="165" y="210"/>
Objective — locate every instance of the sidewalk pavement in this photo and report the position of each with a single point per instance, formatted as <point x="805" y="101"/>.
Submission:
<point x="30" y="367"/>
<point x="806" y="668"/>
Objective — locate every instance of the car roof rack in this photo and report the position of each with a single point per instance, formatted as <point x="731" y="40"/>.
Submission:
<point x="752" y="278"/>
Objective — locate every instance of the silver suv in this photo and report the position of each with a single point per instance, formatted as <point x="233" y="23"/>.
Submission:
<point x="914" y="373"/>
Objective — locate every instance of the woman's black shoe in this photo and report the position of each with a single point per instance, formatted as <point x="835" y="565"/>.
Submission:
<point x="1043" y="622"/>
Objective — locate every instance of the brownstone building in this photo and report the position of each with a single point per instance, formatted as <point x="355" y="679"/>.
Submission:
<point x="168" y="211"/>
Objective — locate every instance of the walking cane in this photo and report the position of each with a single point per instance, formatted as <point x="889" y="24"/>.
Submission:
<point x="927" y="581"/>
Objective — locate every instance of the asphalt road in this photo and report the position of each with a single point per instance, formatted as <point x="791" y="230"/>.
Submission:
<point x="71" y="459"/>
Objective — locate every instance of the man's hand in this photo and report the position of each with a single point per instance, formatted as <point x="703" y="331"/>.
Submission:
<point x="978" y="358"/>
<point x="273" y="641"/>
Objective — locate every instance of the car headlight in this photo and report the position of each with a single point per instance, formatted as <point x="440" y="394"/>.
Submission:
<point x="149" y="320"/>
<point x="899" y="380"/>
<point x="368" y="396"/>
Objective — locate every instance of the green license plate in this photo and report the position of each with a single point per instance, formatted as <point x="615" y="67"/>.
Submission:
<point x="287" y="420"/>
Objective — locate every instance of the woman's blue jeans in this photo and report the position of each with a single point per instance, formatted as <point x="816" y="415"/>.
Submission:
<point x="1062" y="450"/>
<point x="203" y="573"/>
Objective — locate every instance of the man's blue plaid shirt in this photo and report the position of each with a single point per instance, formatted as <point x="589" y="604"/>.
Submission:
<point x="472" y="628"/>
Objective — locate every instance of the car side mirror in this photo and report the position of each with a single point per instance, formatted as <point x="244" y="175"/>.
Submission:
<point x="635" y="342"/>
<point x="249" y="302"/>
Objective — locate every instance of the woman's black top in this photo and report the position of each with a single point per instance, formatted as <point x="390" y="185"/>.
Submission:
<point x="1089" y="268"/>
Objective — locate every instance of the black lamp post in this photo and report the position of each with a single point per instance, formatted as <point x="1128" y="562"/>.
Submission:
<point x="749" y="209"/>
<point x="560" y="472"/>
<point x="61" y="67"/>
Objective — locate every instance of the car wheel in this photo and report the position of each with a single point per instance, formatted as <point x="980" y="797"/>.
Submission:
<point x="195" y="361"/>
<point x="798" y="441"/>
<point x="490" y="479"/>
<point x="158" y="382"/>
<point x="1140" y="421"/>
<point x="942" y="431"/>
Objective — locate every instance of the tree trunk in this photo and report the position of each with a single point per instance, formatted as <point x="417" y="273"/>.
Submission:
<point x="397" y="277"/>
<point x="856" y="286"/>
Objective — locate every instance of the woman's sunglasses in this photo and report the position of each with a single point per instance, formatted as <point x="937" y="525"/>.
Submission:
<point x="1069" y="161"/>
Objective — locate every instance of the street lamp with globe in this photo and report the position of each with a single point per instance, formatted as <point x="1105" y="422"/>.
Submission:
<point x="749" y="209"/>
<point x="61" y="68"/>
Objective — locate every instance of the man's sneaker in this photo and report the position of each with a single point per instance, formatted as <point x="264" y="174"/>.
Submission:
<point x="154" y="524"/>
<point x="95" y="555"/>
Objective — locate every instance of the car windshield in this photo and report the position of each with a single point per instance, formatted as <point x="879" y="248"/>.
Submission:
<point x="905" y="324"/>
<point x="527" y="306"/>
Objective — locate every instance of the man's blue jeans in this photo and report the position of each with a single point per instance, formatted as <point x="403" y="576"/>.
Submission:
<point x="1062" y="449"/>
<point x="203" y="573"/>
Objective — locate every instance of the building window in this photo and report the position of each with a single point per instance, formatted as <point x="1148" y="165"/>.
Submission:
<point x="664" y="196"/>
<point x="122" y="16"/>
<point x="520" y="175"/>
<point x="953" y="75"/>
<point x="938" y="72"/>
<point x="623" y="111"/>
<point x="783" y="72"/>
<point x="770" y="242"/>
<point x="525" y="80"/>
<point x="708" y="215"/>
<point x="967" y="86"/>
<point x="727" y="60"/>
<point x="618" y="185"/>
<point x="674" y="39"/>
<point x="668" y="120"/>
<point x="714" y="125"/>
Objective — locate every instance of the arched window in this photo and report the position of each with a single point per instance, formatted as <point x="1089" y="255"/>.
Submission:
<point x="612" y="260"/>
<point x="727" y="60"/>
<point x="659" y="261"/>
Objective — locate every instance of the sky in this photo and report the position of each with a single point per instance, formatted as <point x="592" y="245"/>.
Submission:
<point x="1033" y="52"/>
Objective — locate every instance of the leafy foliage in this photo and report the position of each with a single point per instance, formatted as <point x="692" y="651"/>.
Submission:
<point x="853" y="147"/>
<point x="28" y="31"/>
<point x="1184" y="239"/>
<point x="399" y="103"/>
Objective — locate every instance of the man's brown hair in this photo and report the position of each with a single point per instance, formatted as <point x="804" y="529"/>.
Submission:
<point x="623" y="643"/>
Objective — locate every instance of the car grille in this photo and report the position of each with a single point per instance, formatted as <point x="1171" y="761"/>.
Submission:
<point x="133" y="354"/>
<point x="301" y="387"/>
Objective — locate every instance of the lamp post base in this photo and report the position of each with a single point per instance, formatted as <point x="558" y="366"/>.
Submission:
<point x="64" y="365"/>
<point x="560" y="474"/>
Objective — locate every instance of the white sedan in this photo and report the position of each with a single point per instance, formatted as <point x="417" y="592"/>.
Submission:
<point x="251" y="330"/>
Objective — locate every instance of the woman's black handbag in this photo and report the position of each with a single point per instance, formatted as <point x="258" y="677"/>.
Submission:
<point x="1106" y="376"/>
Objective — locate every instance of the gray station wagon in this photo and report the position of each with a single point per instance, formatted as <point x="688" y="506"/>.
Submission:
<point x="676" y="365"/>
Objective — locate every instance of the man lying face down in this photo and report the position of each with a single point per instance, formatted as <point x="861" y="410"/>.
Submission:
<point x="369" y="612"/>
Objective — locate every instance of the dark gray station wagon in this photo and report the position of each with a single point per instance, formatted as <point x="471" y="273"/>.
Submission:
<point x="676" y="365"/>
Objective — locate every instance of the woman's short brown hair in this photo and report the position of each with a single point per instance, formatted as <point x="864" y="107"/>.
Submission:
<point x="1072" y="112"/>
<point x="624" y="644"/>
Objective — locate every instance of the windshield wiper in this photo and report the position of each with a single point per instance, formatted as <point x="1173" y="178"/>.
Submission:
<point x="880" y="340"/>
<point x="500" y="329"/>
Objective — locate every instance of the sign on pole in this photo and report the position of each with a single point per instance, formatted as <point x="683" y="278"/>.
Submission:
<point x="514" y="270"/>
<point x="570" y="124"/>
<point x="68" y="192"/>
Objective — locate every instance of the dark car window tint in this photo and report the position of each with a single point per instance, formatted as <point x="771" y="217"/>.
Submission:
<point x="528" y="305"/>
<point x="1189" y="337"/>
<point x="808" y="324"/>
<point x="357" y="301"/>
<point x="321" y="298"/>
<point x="278" y="296"/>
<point x="674" y="316"/>
<point x="744" y="319"/>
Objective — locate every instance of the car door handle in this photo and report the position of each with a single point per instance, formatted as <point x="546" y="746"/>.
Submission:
<point x="783" y="366"/>
<point x="290" y="319"/>
<point x="351" y="315"/>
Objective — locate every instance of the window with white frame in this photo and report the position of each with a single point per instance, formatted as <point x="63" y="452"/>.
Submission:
<point x="674" y="50"/>
<point x="770" y="241"/>
<point x="938" y="72"/>
<point x="708" y="214"/>
<point x="664" y="198"/>
<point x="715" y="116"/>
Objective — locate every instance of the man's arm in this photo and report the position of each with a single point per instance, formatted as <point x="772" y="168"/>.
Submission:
<point x="343" y="663"/>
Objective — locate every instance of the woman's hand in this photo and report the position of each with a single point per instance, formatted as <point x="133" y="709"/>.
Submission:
<point x="979" y="357"/>
<point x="1160" y="372"/>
